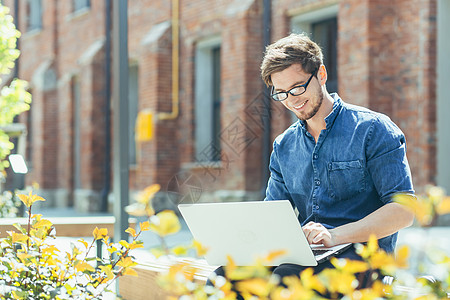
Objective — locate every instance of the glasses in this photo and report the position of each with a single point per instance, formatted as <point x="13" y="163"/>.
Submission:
<point x="295" y="91"/>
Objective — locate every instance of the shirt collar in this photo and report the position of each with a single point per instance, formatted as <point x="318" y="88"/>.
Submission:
<point x="337" y="104"/>
<point x="329" y="120"/>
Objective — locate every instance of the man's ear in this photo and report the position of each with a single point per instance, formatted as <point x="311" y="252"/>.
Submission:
<point x="322" y="75"/>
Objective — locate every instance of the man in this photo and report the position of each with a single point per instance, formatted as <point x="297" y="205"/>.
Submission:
<point x="339" y="164"/>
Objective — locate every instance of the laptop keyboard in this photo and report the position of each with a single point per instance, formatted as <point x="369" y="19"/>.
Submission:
<point x="319" y="252"/>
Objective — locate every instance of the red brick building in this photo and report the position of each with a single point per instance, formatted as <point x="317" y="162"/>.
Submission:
<point x="390" y="56"/>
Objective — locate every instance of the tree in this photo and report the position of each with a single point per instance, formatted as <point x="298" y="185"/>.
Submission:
<point x="14" y="98"/>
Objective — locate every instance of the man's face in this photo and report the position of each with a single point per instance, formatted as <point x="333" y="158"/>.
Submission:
<point x="306" y="105"/>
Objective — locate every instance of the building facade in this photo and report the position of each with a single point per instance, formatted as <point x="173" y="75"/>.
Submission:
<point x="195" y="66"/>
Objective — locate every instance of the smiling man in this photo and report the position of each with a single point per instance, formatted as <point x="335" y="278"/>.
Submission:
<point x="339" y="164"/>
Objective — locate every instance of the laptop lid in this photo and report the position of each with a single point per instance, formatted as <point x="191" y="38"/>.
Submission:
<point x="247" y="230"/>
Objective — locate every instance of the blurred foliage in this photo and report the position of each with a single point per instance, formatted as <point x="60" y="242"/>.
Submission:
<point x="9" y="205"/>
<point x="366" y="279"/>
<point x="14" y="98"/>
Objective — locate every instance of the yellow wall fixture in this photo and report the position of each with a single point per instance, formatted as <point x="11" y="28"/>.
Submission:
<point x="175" y="64"/>
<point x="144" y="126"/>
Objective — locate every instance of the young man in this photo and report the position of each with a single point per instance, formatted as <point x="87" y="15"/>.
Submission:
<point x="339" y="164"/>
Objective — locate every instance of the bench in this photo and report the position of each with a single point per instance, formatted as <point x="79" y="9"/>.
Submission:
<point x="69" y="226"/>
<point x="145" y="286"/>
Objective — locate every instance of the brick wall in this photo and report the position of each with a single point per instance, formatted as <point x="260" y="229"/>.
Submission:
<point x="386" y="61"/>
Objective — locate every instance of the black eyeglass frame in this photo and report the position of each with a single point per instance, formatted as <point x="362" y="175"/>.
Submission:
<point x="276" y="97"/>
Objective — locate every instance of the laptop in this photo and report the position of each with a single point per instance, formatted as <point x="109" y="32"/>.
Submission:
<point x="248" y="230"/>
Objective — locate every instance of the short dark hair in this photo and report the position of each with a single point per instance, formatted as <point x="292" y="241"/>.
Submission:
<point x="293" y="49"/>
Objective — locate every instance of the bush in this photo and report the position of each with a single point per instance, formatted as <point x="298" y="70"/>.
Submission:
<point x="32" y="267"/>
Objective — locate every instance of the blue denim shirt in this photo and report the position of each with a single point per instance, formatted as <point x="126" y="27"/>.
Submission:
<point x="357" y="164"/>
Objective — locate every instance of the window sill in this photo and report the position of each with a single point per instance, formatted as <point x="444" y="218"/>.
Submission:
<point x="32" y="33"/>
<point x="199" y="165"/>
<point x="78" y="13"/>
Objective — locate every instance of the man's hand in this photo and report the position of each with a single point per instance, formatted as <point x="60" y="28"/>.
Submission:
<point x="316" y="233"/>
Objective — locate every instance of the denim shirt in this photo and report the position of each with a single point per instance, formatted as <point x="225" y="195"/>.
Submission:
<point x="357" y="164"/>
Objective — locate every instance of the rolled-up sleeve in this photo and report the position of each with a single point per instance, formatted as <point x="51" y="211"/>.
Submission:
<point x="386" y="159"/>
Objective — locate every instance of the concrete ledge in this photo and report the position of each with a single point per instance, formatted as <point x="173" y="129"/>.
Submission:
<point x="68" y="226"/>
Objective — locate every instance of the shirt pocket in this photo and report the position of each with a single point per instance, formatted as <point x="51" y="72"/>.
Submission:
<point x="346" y="178"/>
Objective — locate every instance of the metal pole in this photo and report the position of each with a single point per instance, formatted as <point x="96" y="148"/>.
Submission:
<point x="267" y="142"/>
<point x="120" y="115"/>
<point x="107" y="109"/>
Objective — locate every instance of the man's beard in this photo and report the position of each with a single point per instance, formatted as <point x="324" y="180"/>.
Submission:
<point x="315" y="107"/>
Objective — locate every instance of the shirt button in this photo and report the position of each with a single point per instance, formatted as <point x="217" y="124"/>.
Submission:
<point x="315" y="156"/>
<point x="317" y="182"/>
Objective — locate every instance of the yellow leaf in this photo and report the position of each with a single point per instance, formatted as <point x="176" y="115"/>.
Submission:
<point x="402" y="257"/>
<point x="201" y="250"/>
<point x="85" y="244"/>
<point x="274" y="254"/>
<point x="19" y="238"/>
<point x="180" y="250"/>
<point x="165" y="223"/>
<point x="23" y="256"/>
<point x="231" y="265"/>
<point x="42" y="223"/>
<point x="148" y="193"/>
<point x="145" y="226"/>
<point x="131" y="231"/>
<point x="370" y="248"/>
<point x="421" y="207"/>
<point x="444" y="206"/>
<point x="157" y="252"/>
<point x="124" y="243"/>
<point x="435" y="194"/>
<point x="135" y="245"/>
<point x="108" y="272"/>
<point x="29" y="199"/>
<point x="350" y="266"/>
<point x="338" y="281"/>
<point x="149" y="211"/>
<point x="311" y="281"/>
<point x="255" y="286"/>
<point x="126" y="262"/>
<point x="383" y="261"/>
<point x="50" y="249"/>
<point x="130" y="272"/>
<point x="100" y="233"/>
<point x="136" y="209"/>
<point x="82" y="266"/>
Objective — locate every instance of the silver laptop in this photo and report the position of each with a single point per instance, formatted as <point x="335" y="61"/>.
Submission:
<point x="247" y="230"/>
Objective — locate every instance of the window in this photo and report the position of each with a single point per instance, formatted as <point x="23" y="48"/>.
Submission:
<point x="207" y="101"/>
<point x="34" y="14"/>
<point x="133" y="106"/>
<point x="81" y="4"/>
<point x="325" y="34"/>
<point x="321" y="26"/>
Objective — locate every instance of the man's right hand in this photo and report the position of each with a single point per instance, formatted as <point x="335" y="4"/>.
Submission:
<point x="316" y="233"/>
